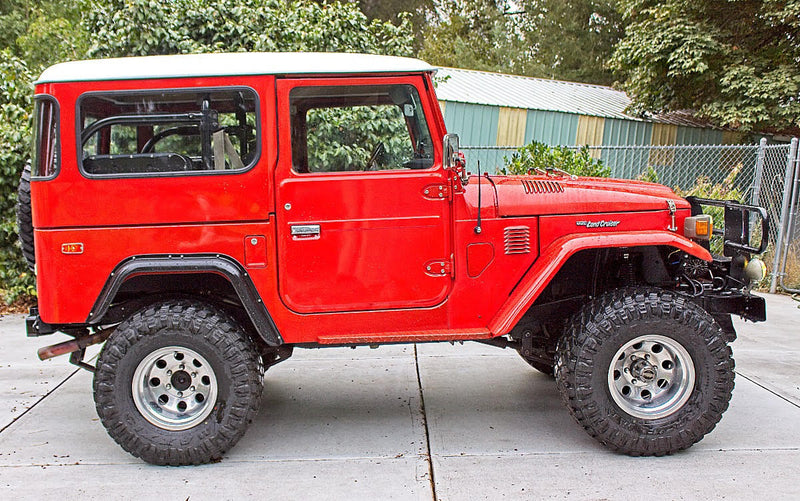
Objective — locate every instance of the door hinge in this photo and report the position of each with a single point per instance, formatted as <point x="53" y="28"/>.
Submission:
<point x="436" y="192"/>
<point x="439" y="268"/>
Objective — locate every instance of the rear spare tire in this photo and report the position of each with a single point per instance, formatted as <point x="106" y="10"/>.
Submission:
<point x="25" y="218"/>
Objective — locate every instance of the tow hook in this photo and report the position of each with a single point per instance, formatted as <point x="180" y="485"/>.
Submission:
<point x="672" y="210"/>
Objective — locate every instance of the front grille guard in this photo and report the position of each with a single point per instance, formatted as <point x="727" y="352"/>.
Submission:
<point x="736" y="231"/>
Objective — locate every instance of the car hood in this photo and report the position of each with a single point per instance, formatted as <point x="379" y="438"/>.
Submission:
<point x="544" y="195"/>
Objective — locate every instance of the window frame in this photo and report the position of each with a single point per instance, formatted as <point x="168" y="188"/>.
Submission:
<point x="36" y="138"/>
<point x="174" y="90"/>
<point x="327" y="84"/>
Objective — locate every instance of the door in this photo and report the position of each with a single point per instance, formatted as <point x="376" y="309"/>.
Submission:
<point x="363" y="211"/>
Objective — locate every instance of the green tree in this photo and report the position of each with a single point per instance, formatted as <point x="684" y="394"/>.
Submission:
<point x="476" y="35"/>
<point x="562" y="39"/>
<point x="734" y="62"/>
<point x="573" y="39"/>
<point x="15" y="107"/>
<point x="42" y="32"/>
<point x="144" y="27"/>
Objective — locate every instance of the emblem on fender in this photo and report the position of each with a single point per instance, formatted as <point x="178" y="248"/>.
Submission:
<point x="597" y="224"/>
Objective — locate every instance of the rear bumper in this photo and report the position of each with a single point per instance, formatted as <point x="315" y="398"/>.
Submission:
<point x="34" y="326"/>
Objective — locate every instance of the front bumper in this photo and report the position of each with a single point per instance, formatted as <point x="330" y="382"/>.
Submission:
<point x="747" y="306"/>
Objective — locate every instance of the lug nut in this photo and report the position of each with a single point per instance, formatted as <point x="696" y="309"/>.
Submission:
<point x="169" y="373"/>
<point x="169" y="386"/>
<point x="180" y="393"/>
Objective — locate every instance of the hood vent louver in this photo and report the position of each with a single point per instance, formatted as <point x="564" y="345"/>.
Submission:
<point x="517" y="240"/>
<point x="532" y="186"/>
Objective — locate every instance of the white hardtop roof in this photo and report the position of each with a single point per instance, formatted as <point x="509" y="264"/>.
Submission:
<point x="229" y="64"/>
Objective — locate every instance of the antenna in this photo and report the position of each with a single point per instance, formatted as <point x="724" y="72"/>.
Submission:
<point x="478" y="228"/>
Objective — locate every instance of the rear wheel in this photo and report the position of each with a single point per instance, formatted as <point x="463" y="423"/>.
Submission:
<point x="645" y="371"/>
<point x="178" y="383"/>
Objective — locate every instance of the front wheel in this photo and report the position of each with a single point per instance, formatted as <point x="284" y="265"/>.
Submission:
<point x="645" y="371"/>
<point x="177" y="383"/>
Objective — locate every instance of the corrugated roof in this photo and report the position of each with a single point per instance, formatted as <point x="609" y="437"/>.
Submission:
<point x="497" y="89"/>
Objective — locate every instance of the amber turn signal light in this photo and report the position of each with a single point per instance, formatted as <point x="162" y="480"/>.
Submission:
<point x="699" y="227"/>
<point x="73" y="248"/>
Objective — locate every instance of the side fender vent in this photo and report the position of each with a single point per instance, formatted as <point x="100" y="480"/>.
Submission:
<point x="536" y="186"/>
<point x="517" y="240"/>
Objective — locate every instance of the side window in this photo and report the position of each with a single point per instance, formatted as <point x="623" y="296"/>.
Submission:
<point x="45" y="143"/>
<point x="358" y="128"/>
<point x="172" y="132"/>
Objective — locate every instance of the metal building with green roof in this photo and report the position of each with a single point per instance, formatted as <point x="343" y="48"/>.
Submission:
<point x="494" y="109"/>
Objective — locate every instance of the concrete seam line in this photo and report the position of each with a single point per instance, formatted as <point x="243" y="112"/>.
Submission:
<point x="39" y="401"/>
<point x="760" y="385"/>
<point x="425" y="424"/>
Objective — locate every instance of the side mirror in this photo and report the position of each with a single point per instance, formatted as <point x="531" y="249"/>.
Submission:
<point x="453" y="158"/>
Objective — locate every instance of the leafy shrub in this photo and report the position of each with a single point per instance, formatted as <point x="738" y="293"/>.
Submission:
<point x="539" y="156"/>
<point x="15" y="130"/>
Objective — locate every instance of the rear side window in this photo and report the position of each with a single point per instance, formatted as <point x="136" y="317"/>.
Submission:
<point x="168" y="132"/>
<point x="46" y="143"/>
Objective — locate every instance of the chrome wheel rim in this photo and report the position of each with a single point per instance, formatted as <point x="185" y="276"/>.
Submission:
<point x="174" y="388"/>
<point x="651" y="377"/>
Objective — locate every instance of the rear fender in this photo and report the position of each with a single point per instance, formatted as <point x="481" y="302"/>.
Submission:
<point x="553" y="257"/>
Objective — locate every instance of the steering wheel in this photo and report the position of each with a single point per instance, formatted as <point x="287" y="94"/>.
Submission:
<point x="372" y="164"/>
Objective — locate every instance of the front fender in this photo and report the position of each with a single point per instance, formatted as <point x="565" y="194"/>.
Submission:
<point x="553" y="257"/>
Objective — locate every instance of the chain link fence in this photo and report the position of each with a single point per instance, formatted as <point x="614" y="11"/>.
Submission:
<point x="760" y="174"/>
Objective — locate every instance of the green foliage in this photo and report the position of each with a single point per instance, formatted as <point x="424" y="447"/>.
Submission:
<point x="143" y="27"/>
<point x="732" y="62"/>
<point x="650" y="175"/>
<point x="15" y="105"/>
<point x="539" y="156"/>
<point x="43" y="32"/>
<point x="341" y="139"/>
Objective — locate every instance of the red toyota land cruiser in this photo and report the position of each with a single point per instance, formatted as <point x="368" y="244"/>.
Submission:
<point x="203" y="215"/>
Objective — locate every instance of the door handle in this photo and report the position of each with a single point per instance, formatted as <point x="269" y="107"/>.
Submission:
<point x="300" y="231"/>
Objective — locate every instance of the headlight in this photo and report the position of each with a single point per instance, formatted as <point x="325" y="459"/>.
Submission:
<point x="755" y="270"/>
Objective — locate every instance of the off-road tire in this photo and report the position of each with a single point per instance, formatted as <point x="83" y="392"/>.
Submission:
<point x="591" y="343"/>
<point x="25" y="218"/>
<point x="218" y="339"/>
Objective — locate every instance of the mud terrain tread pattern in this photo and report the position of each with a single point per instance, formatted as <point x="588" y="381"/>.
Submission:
<point x="207" y="441"/>
<point x="25" y="217"/>
<point x="593" y="408"/>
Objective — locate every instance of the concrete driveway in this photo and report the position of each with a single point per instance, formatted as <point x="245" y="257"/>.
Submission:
<point x="406" y="422"/>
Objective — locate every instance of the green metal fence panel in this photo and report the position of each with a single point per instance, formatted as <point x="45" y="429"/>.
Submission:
<point x="476" y="125"/>
<point x="626" y="132"/>
<point x="550" y="127"/>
